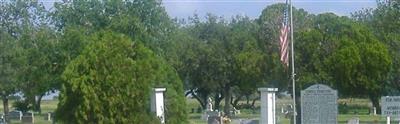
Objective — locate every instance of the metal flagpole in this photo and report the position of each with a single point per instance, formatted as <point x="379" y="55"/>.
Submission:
<point x="293" y="74"/>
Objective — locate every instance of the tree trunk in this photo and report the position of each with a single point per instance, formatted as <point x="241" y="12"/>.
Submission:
<point x="202" y="101"/>
<point x="375" y="103"/>
<point x="217" y="102"/>
<point x="247" y="99"/>
<point x="227" y="107"/>
<point x="236" y="101"/>
<point x="5" y="106"/>
<point x="38" y="100"/>
<point x="254" y="102"/>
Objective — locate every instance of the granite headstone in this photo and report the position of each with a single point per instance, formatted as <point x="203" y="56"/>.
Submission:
<point x="319" y="105"/>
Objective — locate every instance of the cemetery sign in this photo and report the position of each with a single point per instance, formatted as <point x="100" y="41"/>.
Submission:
<point x="319" y="105"/>
<point x="391" y="106"/>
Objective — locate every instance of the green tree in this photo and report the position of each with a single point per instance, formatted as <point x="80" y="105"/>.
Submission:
<point x="9" y="66"/>
<point x="111" y="80"/>
<point x="384" y="23"/>
<point x="40" y="67"/>
<point x="345" y="55"/>
<point x="19" y="22"/>
<point x="145" y="21"/>
<point x="214" y="56"/>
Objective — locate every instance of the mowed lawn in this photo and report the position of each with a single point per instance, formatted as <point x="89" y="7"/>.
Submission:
<point x="195" y="118"/>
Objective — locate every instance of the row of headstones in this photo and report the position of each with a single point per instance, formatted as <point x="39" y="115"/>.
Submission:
<point x="26" y="118"/>
<point x="319" y="106"/>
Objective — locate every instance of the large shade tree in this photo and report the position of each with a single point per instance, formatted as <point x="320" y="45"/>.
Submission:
<point x="216" y="56"/>
<point x="29" y="44"/>
<point x="345" y="55"/>
<point x="384" y="22"/>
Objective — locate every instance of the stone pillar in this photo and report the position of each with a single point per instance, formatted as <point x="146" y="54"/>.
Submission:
<point x="268" y="105"/>
<point x="157" y="103"/>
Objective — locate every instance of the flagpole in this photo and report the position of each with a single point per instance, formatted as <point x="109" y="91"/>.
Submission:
<point x="293" y="74"/>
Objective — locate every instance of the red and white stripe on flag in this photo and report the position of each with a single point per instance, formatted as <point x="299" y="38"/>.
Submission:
<point x="283" y="44"/>
<point x="284" y="54"/>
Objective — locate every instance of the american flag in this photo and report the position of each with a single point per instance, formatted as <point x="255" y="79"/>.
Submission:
<point x="284" y="52"/>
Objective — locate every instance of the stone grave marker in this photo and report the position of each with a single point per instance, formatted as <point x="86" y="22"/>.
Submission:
<point x="28" y="118"/>
<point x="15" y="115"/>
<point x="319" y="105"/>
<point x="209" y="110"/>
<point x="48" y="116"/>
<point x="391" y="107"/>
<point x="353" y="121"/>
<point x="214" y="117"/>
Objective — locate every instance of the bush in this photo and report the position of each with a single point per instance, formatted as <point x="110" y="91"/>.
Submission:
<point x="22" y="106"/>
<point x="111" y="82"/>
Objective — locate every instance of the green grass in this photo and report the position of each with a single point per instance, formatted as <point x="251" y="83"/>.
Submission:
<point x="357" y="108"/>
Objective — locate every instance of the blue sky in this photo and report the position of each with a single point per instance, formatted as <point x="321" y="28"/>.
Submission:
<point x="253" y="8"/>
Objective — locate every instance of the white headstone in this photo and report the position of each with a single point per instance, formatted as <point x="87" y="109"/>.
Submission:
<point x="157" y="103"/>
<point x="319" y="105"/>
<point x="268" y="105"/>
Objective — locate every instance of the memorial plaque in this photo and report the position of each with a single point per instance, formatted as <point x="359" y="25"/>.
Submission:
<point x="319" y="105"/>
<point x="391" y="106"/>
